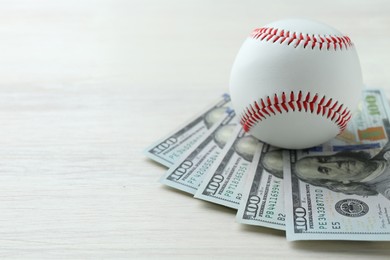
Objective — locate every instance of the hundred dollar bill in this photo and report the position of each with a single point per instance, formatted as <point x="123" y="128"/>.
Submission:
<point x="169" y="149"/>
<point x="187" y="174"/>
<point x="224" y="182"/>
<point x="262" y="202"/>
<point x="343" y="194"/>
<point x="330" y="207"/>
<point x="366" y="130"/>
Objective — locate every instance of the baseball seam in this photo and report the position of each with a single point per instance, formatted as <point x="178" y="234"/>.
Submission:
<point x="267" y="107"/>
<point x="314" y="40"/>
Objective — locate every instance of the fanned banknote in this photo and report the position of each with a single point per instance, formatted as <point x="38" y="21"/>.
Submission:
<point x="169" y="149"/>
<point x="224" y="182"/>
<point x="262" y="202"/>
<point x="187" y="174"/>
<point x="344" y="193"/>
<point x="339" y="190"/>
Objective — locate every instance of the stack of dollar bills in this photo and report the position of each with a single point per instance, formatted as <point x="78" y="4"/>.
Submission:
<point x="339" y="190"/>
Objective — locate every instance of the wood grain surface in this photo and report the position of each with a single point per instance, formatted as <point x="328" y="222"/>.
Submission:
<point x="85" y="86"/>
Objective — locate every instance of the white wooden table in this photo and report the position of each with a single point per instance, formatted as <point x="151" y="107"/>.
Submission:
<point x="85" y="86"/>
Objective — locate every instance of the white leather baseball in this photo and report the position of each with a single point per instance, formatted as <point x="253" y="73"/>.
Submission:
<point x="295" y="83"/>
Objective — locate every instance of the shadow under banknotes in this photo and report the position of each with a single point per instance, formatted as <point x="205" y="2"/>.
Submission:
<point x="350" y="248"/>
<point x="177" y="191"/>
<point x="155" y="163"/>
<point x="245" y="228"/>
<point x="262" y="230"/>
<point x="220" y="208"/>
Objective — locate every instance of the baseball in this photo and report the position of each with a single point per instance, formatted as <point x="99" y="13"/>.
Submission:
<point x="295" y="83"/>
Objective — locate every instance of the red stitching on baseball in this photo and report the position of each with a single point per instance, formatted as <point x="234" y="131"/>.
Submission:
<point x="266" y="107"/>
<point x="322" y="41"/>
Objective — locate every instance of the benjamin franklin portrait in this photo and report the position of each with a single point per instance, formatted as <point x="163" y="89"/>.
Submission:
<point x="347" y="172"/>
